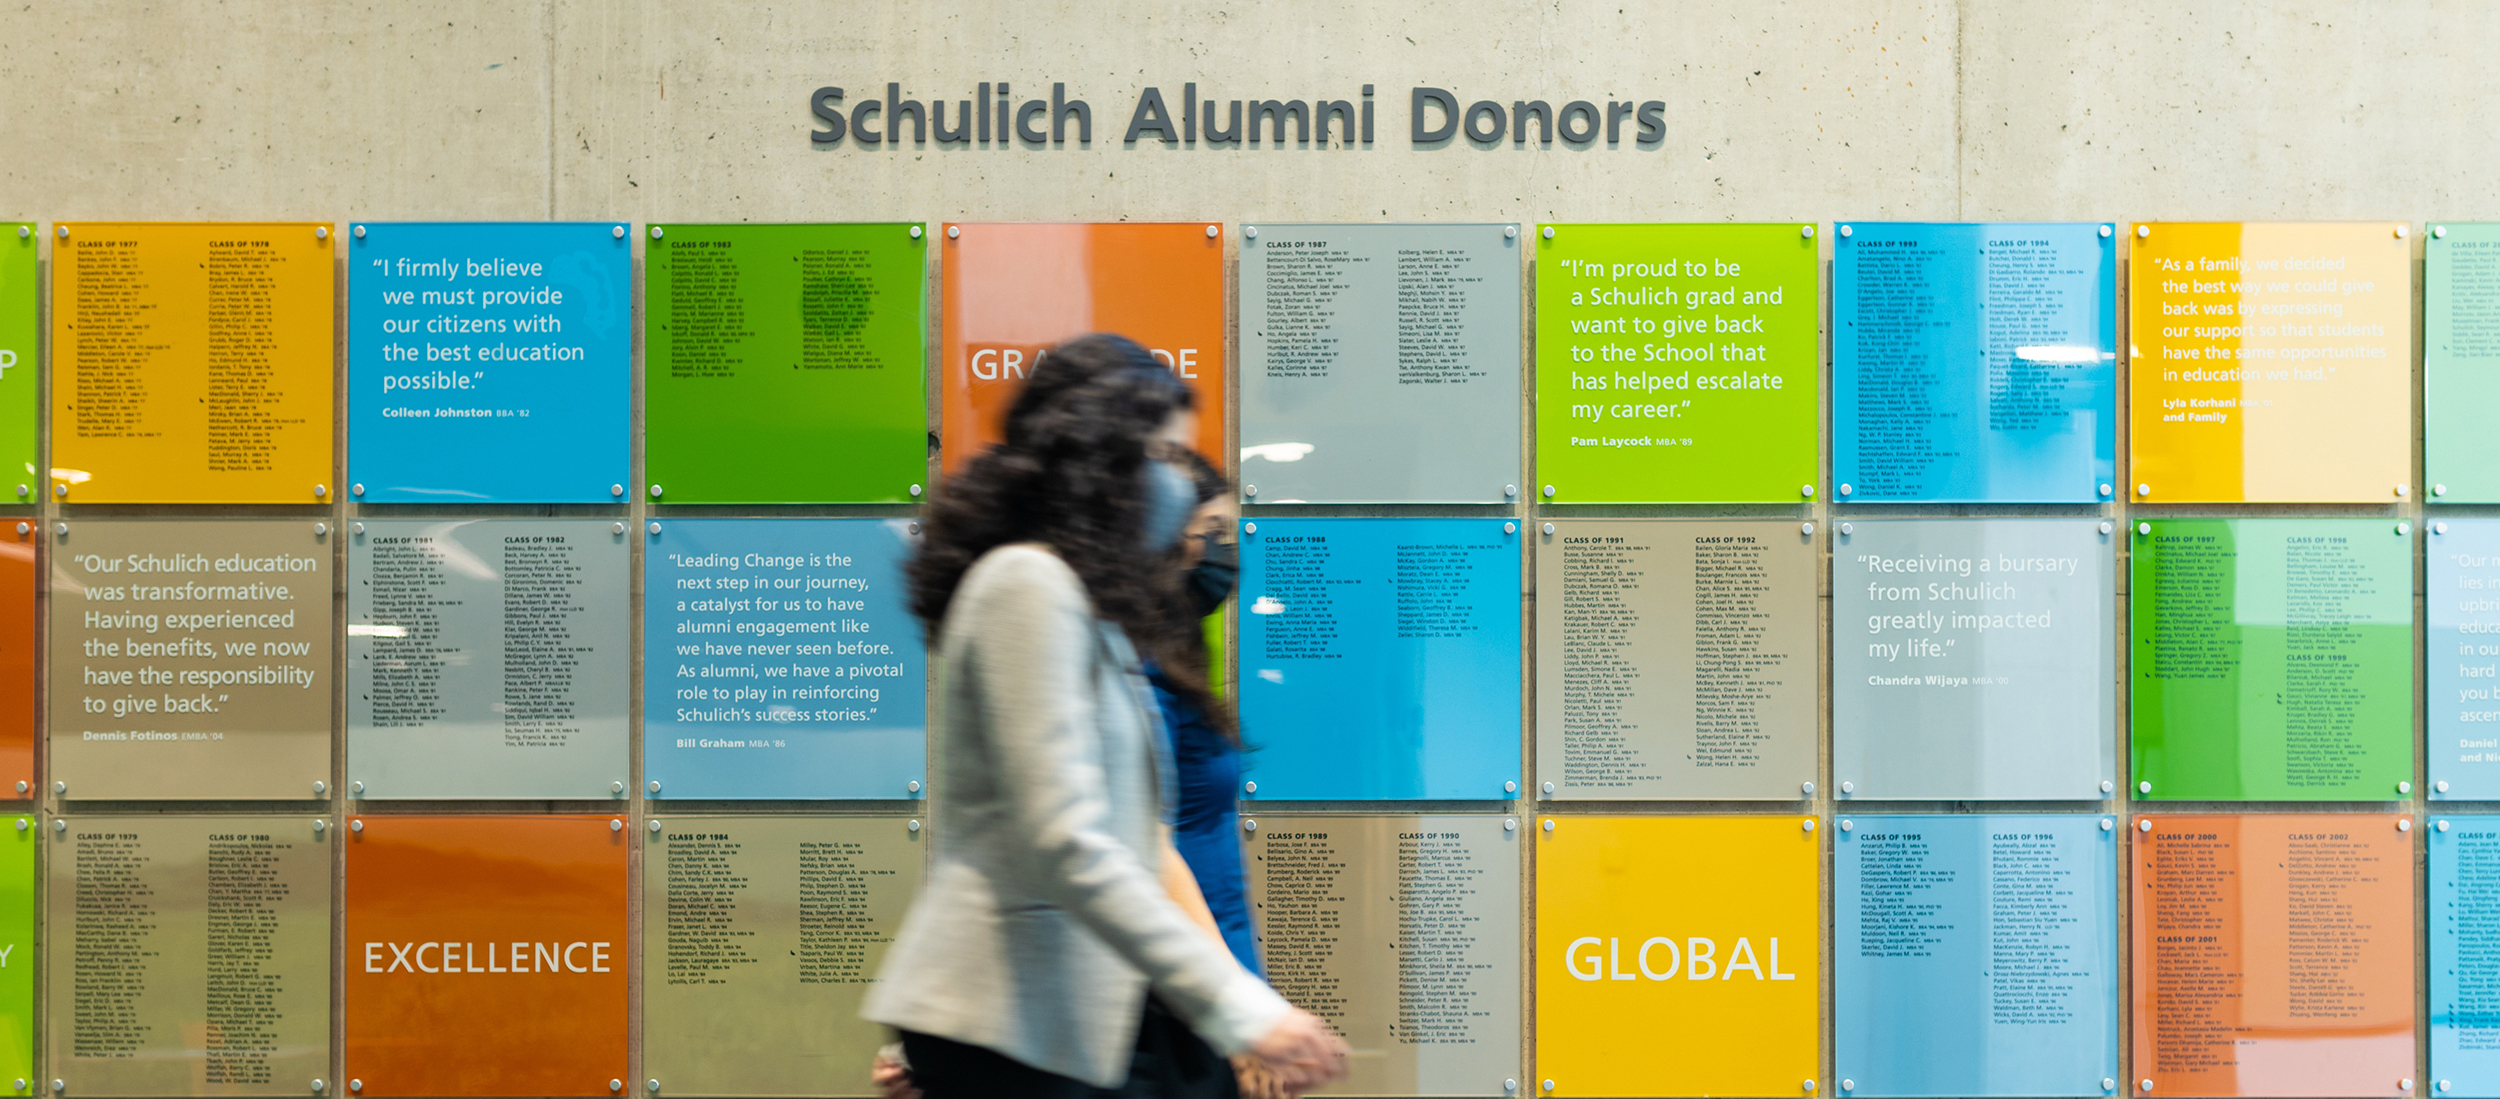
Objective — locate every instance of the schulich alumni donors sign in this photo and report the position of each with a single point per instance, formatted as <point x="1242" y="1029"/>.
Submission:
<point x="1435" y="118"/>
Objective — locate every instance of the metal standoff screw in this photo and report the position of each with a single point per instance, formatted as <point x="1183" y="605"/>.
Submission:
<point x="2404" y="786"/>
<point x="60" y="786"/>
<point x="321" y="490"/>
<point x="616" y="528"/>
<point x="1249" y="528"/>
<point x="320" y="529"/>
<point x="655" y="492"/>
<point x="1847" y="1084"/>
<point x="1510" y="528"/>
<point x="1549" y="826"/>
<point x="1809" y="1085"/>
<point x="60" y="826"/>
<point x="1510" y="232"/>
<point x="1549" y="232"/>
<point x="1805" y="490"/>
<point x="2404" y="824"/>
<point x="1249" y="825"/>
<point x="2404" y="528"/>
<point x="655" y="528"/>
<point x="2142" y="231"/>
<point x="913" y="826"/>
<point x="1848" y="787"/>
<point x="953" y="231"/>
<point x="1250" y="231"/>
<point x="2107" y="786"/>
<point x="1806" y="231"/>
<point x="1807" y="824"/>
<point x="2144" y="489"/>
<point x="1510" y="490"/>
<point x="915" y="490"/>
<point x="355" y="1085"/>
<point x="1846" y="231"/>
<point x="2404" y="489"/>
<point x="1250" y="787"/>
<point x="2441" y="786"/>
<point x="1549" y="492"/>
<point x="655" y="786"/>
<point x="1848" y="528"/>
<point x="59" y="489"/>
<point x="2104" y="489"/>
<point x="617" y="233"/>
<point x="2147" y="1082"/>
<point x="654" y="1082"/>
<point x="2106" y="526"/>
<point x="2108" y="1084"/>
<point x="616" y="490"/>
<point x="320" y="788"/>
<point x="1805" y="528"/>
<point x="655" y="827"/>
<point x="1549" y="1084"/>
<point x="2401" y="230"/>
<point x="60" y="529"/>
<point x="319" y="1087"/>
<point x="1549" y="528"/>
<point x="1249" y="490"/>
<point x="2144" y="528"/>
<point x="358" y="488"/>
<point x="2442" y="825"/>
<point x="2439" y="528"/>
<point x="2108" y="825"/>
<point x="61" y="231"/>
<point x="1847" y="825"/>
<point x="912" y="786"/>
<point x="915" y="235"/>
<point x="617" y="787"/>
<point x="321" y="232"/>
<point x="1808" y="788"/>
<point x="1510" y="786"/>
<point x="320" y="826"/>
<point x="1549" y="789"/>
<point x="357" y="826"/>
<point x="1510" y="824"/>
<point x="2144" y="787"/>
<point x="2105" y="231"/>
<point x="1846" y="488"/>
<point x="360" y="232"/>
<point x="615" y="825"/>
<point x="357" y="788"/>
<point x="1212" y="230"/>
<point x="655" y="232"/>
<point x="2145" y="825"/>
<point x="616" y="1085"/>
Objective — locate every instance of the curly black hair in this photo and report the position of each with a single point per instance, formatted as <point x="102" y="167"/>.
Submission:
<point x="1070" y="475"/>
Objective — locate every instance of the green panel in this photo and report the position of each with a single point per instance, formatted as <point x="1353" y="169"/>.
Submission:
<point x="782" y="364"/>
<point x="2461" y="362"/>
<point x="17" y="946"/>
<point x="1700" y="385"/>
<point x="2273" y="659"/>
<point x="21" y="359"/>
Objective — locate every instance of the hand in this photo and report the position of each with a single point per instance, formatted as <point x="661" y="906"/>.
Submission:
<point x="1301" y="1052"/>
<point x="893" y="1081"/>
<point x="1254" y="1079"/>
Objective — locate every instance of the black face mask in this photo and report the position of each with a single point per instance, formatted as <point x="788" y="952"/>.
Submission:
<point x="1211" y="582"/>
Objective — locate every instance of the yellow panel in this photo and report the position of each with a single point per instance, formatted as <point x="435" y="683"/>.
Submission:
<point x="1626" y="906"/>
<point x="2271" y="362"/>
<point x="192" y="362"/>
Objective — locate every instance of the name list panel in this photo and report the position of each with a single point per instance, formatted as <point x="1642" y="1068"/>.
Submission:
<point x="2465" y="955"/>
<point x="1380" y="657"/>
<point x="488" y="658"/>
<point x="191" y="659"/>
<point x="781" y="660"/>
<point x="2460" y="362"/>
<point x="486" y="955"/>
<point x="1974" y="361"/>
<point x="1974" y="658"/>
<point x="1678" y="363"/>
<point x="1676" y="659"/>
<point x="192" y="363"/>
<point x="1381" y="363"/>
<point x="1678" y="955"/>
<point x="1975" y="955"/>
<point x="1437" y="1013"/>
<point x="188" y="955"/>
<point x="1009" y="293"/>
<point x="2273" y="955"/>
<point x="21" y="359"/>
<point x="2273" y="659"/>
<point x="761" y="936"/>
<point x="489" y="362"/>
<point x="2461" y="658"/>
<point x="2271" y="362"/>
<point x="763" y="342"/>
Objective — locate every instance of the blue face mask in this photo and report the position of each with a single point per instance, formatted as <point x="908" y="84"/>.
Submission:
<point x="1170" y="497"/>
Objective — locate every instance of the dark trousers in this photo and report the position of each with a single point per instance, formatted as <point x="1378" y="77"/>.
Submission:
<point x="1170" y="1062"/>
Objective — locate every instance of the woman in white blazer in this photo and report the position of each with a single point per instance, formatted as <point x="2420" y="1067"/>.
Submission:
<point x="1045" y="956"/>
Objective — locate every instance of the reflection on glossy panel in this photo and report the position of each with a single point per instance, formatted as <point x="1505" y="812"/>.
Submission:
<point x="763" y="344"/>
<point x="760" y="938"/>
<point x="1975" y="955"/>
<point x="2461" y="658"/>
<point x="782" y="660"/>
<point x="1678" y="363"/>
<point x="489" y="362"/>
<point x="1974" y="658"/>
<point x="1974" y="361"/>
<point x="2273" y="955"/>
<point x="1676" y="658"/>
<point x="1436" y="1010"/>
<point x="1380" y="363"/>
<point x="1679" y="955"/>
<point x="486" y="955"/>
<point x="1010" y="293"/>
<point x="2271" y="362"/>
<point x="192" y="363"/>
<point x="191" y="658"/>
<point x="188" y="955"/>
<point x="2272" y="659"/>
<point x="488" y="658"/>
<point x="1380" y="657"/>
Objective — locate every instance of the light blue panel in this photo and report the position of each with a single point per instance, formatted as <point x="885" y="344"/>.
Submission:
<point x="781" y="660"/>
<point x="2465" y="956"/>
<point x="1974" y="361"/>
<point x="489" y="362"/>
<point x="2461" y="659"/>
<point x="1380" y="657"/>
<point x="1975" y="955"/>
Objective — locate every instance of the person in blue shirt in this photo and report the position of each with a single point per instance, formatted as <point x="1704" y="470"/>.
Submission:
<point x="1205" y="741"/>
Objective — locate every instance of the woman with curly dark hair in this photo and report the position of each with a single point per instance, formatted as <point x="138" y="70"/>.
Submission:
<point x="1051" y="953"/>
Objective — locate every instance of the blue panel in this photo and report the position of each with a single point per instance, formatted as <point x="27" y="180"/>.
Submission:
<point x="2465" y="956"/>
<point x="1380" y="657"/>
<point x="489" y="362"/>
<point x="781" y="660"/>
<point x="1974" y="362"/>
<point x="2461" y="658"/>
<point x="1975" y="955"/>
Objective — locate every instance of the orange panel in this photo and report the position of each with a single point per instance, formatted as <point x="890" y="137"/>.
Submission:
<point x="1012" y="292"/>
<point x="2273" y="955"/>
<point x="485" y="955"/>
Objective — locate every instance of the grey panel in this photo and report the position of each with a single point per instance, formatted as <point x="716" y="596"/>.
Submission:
<point x="192" y="658"/>
<point x="1380" y="363"/>
<point x="1403" y="933"/>
<point x="1974" y="658"/>
<point x="488" y="658"/>
<point x="1676" y="658"/>
<point x="760" y="938"/>
<point x="188" y="955"/>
